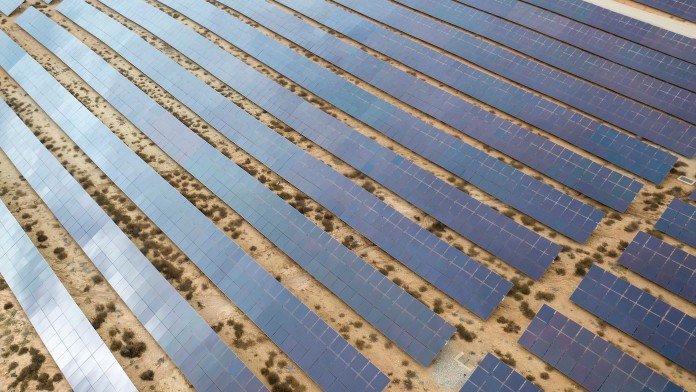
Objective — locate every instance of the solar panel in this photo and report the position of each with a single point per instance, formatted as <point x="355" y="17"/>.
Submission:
<point x="192" y="345"/>
<point x="693" y="196"/>
<point x="679" y="221"/>
<point x="662" y="263"/>
<point x="492" y="375"/>
<point x="371" y="294"/>
<point x="664" y="328"/>
<point x="607" y="105"/>
<point x="8" y="6"/>
<point x="77" y="348"/>
<point x="603" y="44"/>
<point x="586" y="358"/>
<point x="498" y="179"/>
<point x="685" y="9"/>
<point x="624" y="26"/>
<point x="316" y="348"/>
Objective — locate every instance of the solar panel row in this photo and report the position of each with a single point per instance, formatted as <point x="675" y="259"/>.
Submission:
<point x="521" y="247"/>
<point x="76" y="347"/>
<point x="493" y="375"/>
<point x="662" y="263"/>
<point x="559" y="211"/>
<point x="664" y="328"/>
<point x="623" y="26"/>
<point x="611" y="47"/>
<point x="474" y="285"/>
<point x="372" y="295"/>
<point x="310" y="342"/>
<point x="685" y="9"/>
<point x="416" y="92"/>
<point x="609" y="106"/>
<point x="586" y="358"/>
<point x="192" y="345"/>
<point x="693" y="196"/>
<point x="8" y="6"/>
<point x="679" y="221"/>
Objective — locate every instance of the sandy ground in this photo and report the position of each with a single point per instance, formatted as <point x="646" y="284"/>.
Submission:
<point x="452" y="365"/>
<point x="649" y="15"/>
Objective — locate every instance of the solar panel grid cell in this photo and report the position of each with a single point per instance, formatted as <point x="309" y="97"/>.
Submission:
<point x="664" y="328"/>
<point x="685" y="9"/>
<point x="586" y="358"/>
<point x="609" y="106"/>
<point x="493" y="375"/>
<point x="361" y="286"/>
<point x="623" y="26"/>
<point x="65" y="331"/>
<point x="662" y="263"/>
<point x="679" y="221"/>
<point x="559" y="211"/>
<point x="311" y="343"/>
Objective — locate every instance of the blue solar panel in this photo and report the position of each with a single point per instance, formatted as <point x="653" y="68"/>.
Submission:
<point x="641" y="32"/>
<point x="372" y="295"/>
<point x="8" y="6"/>
<point x="77" y="348"/>
<point x="500" y="180"/>
<point x="588" y="359"/>
<point x="310" y="342"/>
<point x="606" y="105"/>
<point x="679" y="221"/>
<point x="693" y="196"/>
<point x="664" y="328"/>
<point x="685" y="9"/>
<point x="492" y="375"/>
<point x="192" y="345"/>
<point x="609" y="46"/>
<point x="662" y="263"/>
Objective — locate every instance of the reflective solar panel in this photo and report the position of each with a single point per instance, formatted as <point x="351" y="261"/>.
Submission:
<point x="8" y="6"/>
<point x="616" y="49"/>
<point x="316" y="348"/>
<point x="371" y="294"/>
<point x="586" y="358"/>
<point x="607" y="105"/>
<point x="77" y="348"/>
<point x="662" y="263"/>
<point x="492" y="375"/>
<point x="685" y="9"/>
<point x="498" y="179"/>
<point x="662" y="327"/>
<point x="679" y="221"/>
<point x="624" y="26"/>
<point x="194" y="347"/>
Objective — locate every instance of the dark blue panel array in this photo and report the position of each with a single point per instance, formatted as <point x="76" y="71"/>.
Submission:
<point x="662" y="263"/>
<point x="679" y="221"/>
<point x="693" y="196"/>
<point x="582" y="131"/>
<point x="372" y="295"/>
<point x="474" y="285"/>
<point x="519" y="246"/>
<point x="559" y="211"/>
<point x="588" y="359"/>
<point x="664" y="328"/>
<point x="492" y="375"/>
<point x="310" y="342"/>
<point x="637" y="31"/>
<point x="670" y="69"/>
<point x="685" y="9"/>
<point x="8" y="6"/>
<point x="614" y="108"/>
<point x="193" y="346"/>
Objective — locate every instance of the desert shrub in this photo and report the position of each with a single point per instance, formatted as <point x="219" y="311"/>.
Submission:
<point x="465" y="334"/>
<point x="147" y="375"/>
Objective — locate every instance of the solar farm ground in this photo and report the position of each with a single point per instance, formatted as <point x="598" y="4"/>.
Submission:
<point x="24" y="356"/>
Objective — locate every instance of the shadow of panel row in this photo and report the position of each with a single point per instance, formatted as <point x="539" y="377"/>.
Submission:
<point x="622" y="86"/>
<point x="679" y="221"/>
<point x="448" y="269"/>
<point x="559" y="211"/>
<point x="587" y="359"/>
<point x="78" y="350"/>
<point x="624" y="26"/>
<point x="402" y="318"/>
<point x="662" y="327"/>
<point x="515" y="244"/>
<point x="616" y="49"/>
<point x="662" y="263"/>
<point x="194" y="347"/>
<point x="576" y="128"/>
<point x="685" y="9"/>
<point x="316" y="348"/>
<point x="492" y="375"/>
